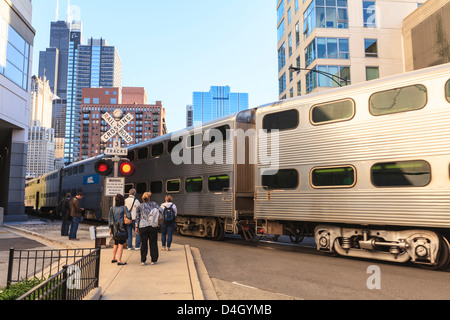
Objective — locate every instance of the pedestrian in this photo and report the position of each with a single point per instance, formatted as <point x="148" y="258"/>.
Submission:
<point x="116" y="222"/>
<point x="147" y="216"/>
<point x="63" y="210"/>
<point x="132" y="204"/>
<point x="75" y="215"/>
<point x="168" y="224"/>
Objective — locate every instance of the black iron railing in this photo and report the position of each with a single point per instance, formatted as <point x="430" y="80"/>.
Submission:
<point x="70" y="274"/>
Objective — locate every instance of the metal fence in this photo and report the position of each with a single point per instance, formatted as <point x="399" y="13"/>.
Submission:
<point x="70" y="274"/>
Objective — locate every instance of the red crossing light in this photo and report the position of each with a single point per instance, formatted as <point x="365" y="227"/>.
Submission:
<point x="126" y="168"/>
<point x="104" y="167"/>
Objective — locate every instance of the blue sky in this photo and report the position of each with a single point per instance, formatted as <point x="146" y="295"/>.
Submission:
<point x="173" y="48"/>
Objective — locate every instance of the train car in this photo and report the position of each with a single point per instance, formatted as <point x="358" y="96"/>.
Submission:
<point x="364" y="168"/>
<point x="81" y="177"/>
<point x="42" y="194"/>
<point x="197" y="167"/>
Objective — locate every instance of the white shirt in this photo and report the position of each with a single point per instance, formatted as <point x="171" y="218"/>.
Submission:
<point x="129" y="203"/>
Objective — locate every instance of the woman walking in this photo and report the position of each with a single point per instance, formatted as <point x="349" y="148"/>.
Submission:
<point x="147" y="216"/>
<point x="168" y="225"/>
<point x="116" y="223"/>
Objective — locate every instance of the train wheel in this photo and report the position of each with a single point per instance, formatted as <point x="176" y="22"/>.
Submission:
<point x="219" y="232"/>
<point x="443" y="259"/>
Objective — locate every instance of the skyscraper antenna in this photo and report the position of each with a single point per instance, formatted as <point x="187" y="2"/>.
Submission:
<point x="68" y="11"/>
<point x="57" y="11"/>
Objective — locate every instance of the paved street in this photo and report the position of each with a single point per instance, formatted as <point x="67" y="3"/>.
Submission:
<point x="240" y="271"/>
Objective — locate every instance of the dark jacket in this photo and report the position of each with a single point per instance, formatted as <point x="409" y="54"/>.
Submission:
<point x="75" y="210"/>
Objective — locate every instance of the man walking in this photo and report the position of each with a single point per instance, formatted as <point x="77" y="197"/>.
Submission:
<point x="75" y="214"/>
<point x="132" y="204"/>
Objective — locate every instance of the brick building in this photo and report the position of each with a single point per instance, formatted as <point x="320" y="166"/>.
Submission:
<point x="149" y="120"/>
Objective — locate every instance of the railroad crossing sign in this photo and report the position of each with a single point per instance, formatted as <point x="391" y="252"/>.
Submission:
<point x="117" y="127"/>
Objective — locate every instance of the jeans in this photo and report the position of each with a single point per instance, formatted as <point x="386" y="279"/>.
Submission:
<point x="149" y="235"/>
<point x="131" y="230"/>
<point x="74" y="227"/>
<point x="65" y="226"/>
<point x="167" y="232"/>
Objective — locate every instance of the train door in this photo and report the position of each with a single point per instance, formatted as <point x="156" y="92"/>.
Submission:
<point x="37" y="201"/>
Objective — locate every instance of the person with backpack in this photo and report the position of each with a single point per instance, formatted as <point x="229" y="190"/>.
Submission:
<point x="168" y="224"/>
<point x="63" y="210"/>
<point x="147" y="220"/>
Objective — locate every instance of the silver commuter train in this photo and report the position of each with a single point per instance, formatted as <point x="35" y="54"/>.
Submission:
<point x="364" y="169"/>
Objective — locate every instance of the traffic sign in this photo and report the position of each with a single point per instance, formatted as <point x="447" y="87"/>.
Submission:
<point x="116" y="151"/>
<point x="117" y="127"/>
<point x="114" y="186"/>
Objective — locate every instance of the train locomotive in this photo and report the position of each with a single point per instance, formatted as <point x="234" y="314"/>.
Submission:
<point x="365" y="169"/>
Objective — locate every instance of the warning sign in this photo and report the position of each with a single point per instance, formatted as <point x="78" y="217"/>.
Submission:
<point x="114" y="186"/>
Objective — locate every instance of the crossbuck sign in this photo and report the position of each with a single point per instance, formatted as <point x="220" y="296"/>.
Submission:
<point x="117" y="127"/>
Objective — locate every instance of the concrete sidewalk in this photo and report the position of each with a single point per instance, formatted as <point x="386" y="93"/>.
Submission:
<point x="173" y="277"/>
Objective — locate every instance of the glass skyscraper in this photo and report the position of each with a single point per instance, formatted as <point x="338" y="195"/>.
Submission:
<point x="216" y="103"/>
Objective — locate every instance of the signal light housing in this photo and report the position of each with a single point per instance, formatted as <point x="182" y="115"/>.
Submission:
<point x="104" y="167"/>
<point x="126" y="168"/>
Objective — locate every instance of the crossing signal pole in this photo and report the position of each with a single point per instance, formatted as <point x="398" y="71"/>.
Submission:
<point x="117" y="123"/>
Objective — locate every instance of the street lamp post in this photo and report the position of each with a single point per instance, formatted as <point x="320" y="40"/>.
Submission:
<point x="328" y="75"/>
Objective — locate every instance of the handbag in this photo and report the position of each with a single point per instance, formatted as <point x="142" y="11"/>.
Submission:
<point x="120" y="232"/>
<point x="125" y="219"/>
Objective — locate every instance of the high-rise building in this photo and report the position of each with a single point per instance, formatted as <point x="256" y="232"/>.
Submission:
<point x="16" y="42"/>
<point x="216" y="103"/>
<point x="149" y="121"/>
<point x="41" y="102"/>
<point x="356" y="41"/>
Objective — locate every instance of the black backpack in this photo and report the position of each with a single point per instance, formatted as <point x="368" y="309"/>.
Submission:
<point x="169" y="214"/>
<point x="61" y="208"/>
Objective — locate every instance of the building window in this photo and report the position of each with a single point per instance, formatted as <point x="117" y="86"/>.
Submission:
<point x="282" y="83"/>
<point x="401" y="174"/>
<point x="290" y="44"/>
<point x="284" y="120"/>
<point x="371" y="48"/>
<point x="280" y="31"/>
<point x="333" y="177"/>
<point x="283" y="179"/>
<point x="372" y="73"/>
<point x="369" y="14"/>
<point x="327" y="48"/>
<point x="398" y="100"/>
<point x="325" y="14"/>
<point x="314" y="79"/>
<point x="333" y="112"/>
<point x="14" y="63"/>
<point x="281" y="57"/>
<point x="87" y="100"/>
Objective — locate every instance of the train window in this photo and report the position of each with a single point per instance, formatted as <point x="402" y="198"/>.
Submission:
<point x="157" y="149"/>
<point x="219" y="134"/>
<point x="333" y="112"/>
<point x="284" y="120"/>
<point x="172" y="144"/>
<point x="81" y="170"/>
<point x="401" y="174"/>
<point x="173" y="186"/>
<point x="141" y="187"/>
<point x="130" y="155"/>
<point x="332" y="177"/>
<point x="447" y="90"/>
<point x="194" y="184"/>
<point x="195" y="140"/>
<point x="218" y="183"/>
<point x="128" y="187"/>
<point x="156" y="187"/>
<point x="143" y="153"/>
<point x="284" y="179"/>
<point x="398" y="100"/>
